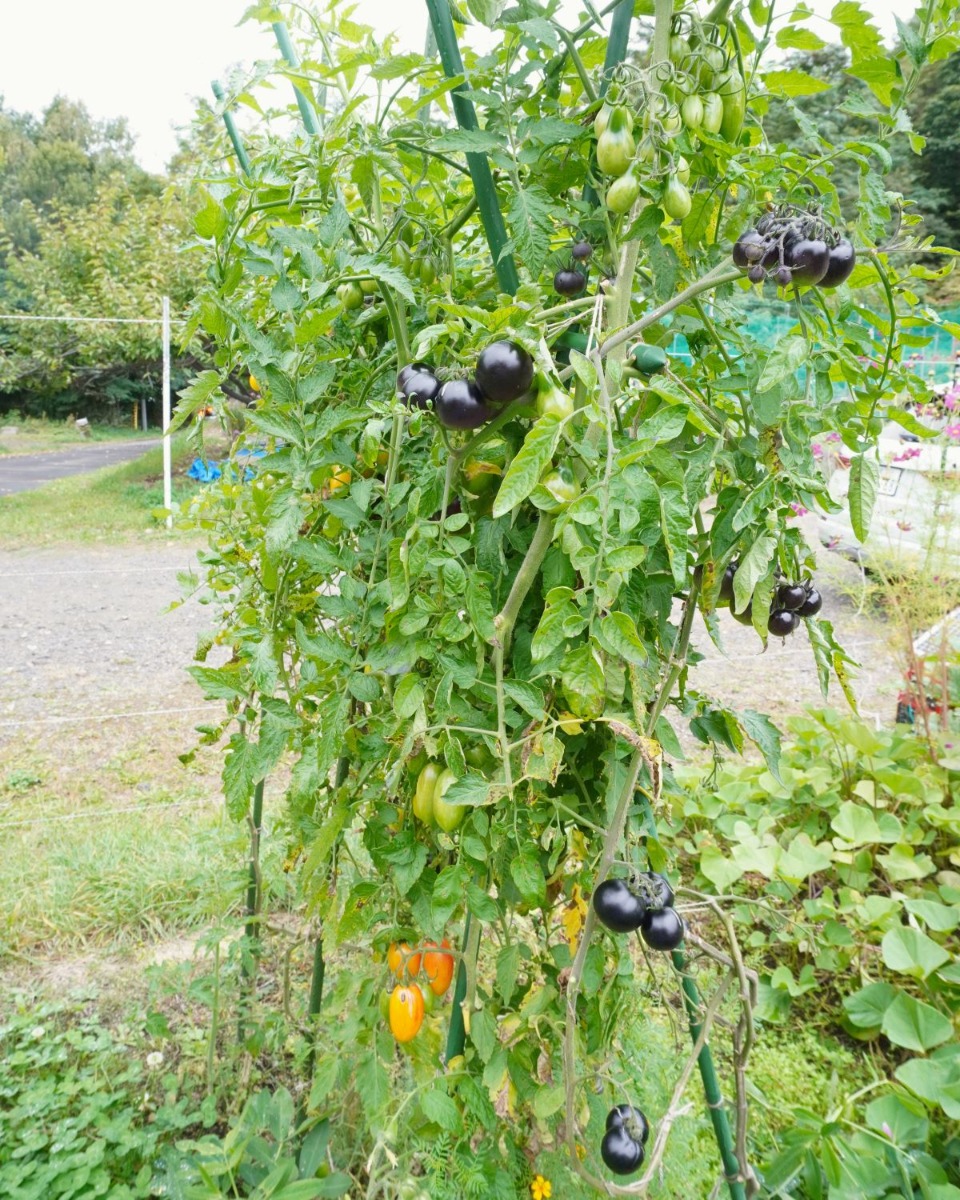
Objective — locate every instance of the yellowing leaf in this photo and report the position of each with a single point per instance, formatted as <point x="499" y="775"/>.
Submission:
<point x="574" y="914"/>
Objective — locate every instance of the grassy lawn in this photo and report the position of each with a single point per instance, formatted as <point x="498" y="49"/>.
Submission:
<point x="109" y="505"/>
<point x="38" y="434"/>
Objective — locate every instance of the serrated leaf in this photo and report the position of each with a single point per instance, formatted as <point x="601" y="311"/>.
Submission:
<point x="529" y="213"/>
<point x="527" y="875"/>
<point x="218" y="683"/>
<point x="241" y="771"/>
<point x="528" y="697"/>
<point x="864" y="485"/>
<point x="675" y="525"/>
<point x="440" y="1109"/>
<point x="508" y="966"/>
<point x="468" y="141"/>
<point x="408" y="697"/>
<point x="794" y="38"/>
<point x="765" y="736"/>
<point x="618" y="634"/>
<point x="472" y="790"/>
<point x="531" y="460"/>
<point x="794" y="83"/>
<point x="584" y="685"/>
<point x="784" y="361"/>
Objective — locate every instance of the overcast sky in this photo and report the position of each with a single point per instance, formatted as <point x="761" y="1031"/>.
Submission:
<point x="146" y="61"/>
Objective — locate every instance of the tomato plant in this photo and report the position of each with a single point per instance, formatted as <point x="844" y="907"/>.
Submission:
<point x="477" y="655"/>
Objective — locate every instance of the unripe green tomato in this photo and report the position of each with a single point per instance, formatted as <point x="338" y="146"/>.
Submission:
<point x="447" y="816"/>
<point x="615" y="151"/>
<point x="400" y="256"/>
<point x="384" y="1005"/>
<point x="368" y="286"/>
<point x="428" y="271"/>
<point x="562" y="485"/>
<point x="733" y="98"/>
<point x="350" y="296"/>
<point x="683" y="169"/>
<point x="602" y="119"/>
<point x="623" y="192"/>
<point x="712" y="62"/>
<point x="554" y="401"/>
<point x="679" y="48"/>
<point x="691" y="112"/>
<point x="676" y="199"/>
<point x="671" y="121"/>
<point x="646" y="151"/>
<point x="423" y="795"/>
<point x="712" y="113"/>
<point x="430" y="1000"/>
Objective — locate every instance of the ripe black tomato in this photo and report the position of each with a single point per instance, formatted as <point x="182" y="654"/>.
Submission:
<point x="663" y="930"/>
<point x="791" y="596"/>
<point x="621" y="1153"/>
<point x="504" y="372"/>
<point x="782" y="622"/>
<point x="581" y="251"/>
<point x="569" y="283"/>
<point x="461" y="405"/>
<point x="618" y="907"/>
<point x="808" y="260"/>
<point x="748" y="249"/>
<point x="812" y="603"/>
<point x="417" y="384"/>
<point x="843" y="258"/>
<point x="630" y="1118"/>
<point x="726" y="584"/>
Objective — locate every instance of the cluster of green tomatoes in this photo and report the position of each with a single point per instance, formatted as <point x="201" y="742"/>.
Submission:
<point x="699" y="95"/>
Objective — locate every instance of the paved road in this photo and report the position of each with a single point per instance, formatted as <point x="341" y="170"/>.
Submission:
<point x="23" y="472"/>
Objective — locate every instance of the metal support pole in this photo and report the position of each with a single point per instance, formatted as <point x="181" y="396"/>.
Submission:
<point x="307" y="111"/>
<point x="232" y="130"/>
<point x="167" y="450"/>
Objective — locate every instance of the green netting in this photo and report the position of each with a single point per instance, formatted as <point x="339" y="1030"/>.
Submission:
<point x="771" y="320"/>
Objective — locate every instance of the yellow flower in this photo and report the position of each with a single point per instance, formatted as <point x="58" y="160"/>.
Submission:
<point x="541" y="1189"/>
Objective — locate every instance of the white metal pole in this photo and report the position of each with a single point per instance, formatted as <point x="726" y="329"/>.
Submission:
<point x="167" y="466"/>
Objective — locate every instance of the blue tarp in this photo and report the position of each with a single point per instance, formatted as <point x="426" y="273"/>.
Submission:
<point x="207" y="472"/>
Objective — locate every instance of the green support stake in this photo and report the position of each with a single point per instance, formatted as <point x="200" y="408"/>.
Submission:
<point x="711" y="1085"/>
<point x="232" y="130"/>
<point x="483" y="187"/>
<point x="252" y="928"/>
<point x="310" y="120"/>
<point x="457" y="1033"/>
<point x="617" y="44"/>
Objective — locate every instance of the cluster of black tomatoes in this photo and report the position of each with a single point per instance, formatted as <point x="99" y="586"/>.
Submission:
<point x="572" y="279"/>
<point x="793" y="246"/>
<point x="646" y="903"/>
<point x="622" y="1148"/>
<point x="791" y="601"/>
<point x="504" y="372"/>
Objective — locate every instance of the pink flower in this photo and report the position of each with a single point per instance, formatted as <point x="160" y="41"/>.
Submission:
<point x="953" y="431"/>
<point x="905" y="455"/>
<point x="833" y="437"/>
<point x="798" y="509"/>
<point x="817" y="450"/>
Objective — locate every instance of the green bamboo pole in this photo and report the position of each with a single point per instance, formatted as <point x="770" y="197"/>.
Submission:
<point x="486" y="193"/>
<point x="617" y="44"/>
<point x="307" y="111"/>
<point x="457" y="1033"/>
<point x="232" y="132"/>
<point x="252" y="928"/>
<point x="429" y="50"/>
<point x="711" y="1085"/>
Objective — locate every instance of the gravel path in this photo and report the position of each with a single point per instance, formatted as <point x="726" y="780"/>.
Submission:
<point x="84" y="635"/>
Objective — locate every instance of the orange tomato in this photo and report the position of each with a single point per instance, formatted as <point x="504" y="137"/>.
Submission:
<point x="402" y="961"/>
<point x="340" y="479"/>
<point x="406" y="1011"/>
<point x="438" y="967"/>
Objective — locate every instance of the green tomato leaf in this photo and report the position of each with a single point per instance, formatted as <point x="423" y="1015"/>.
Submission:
<point x="584" y="685"/>
<point x="508" y="967"/>
<point x="675" y="523"/>
<point x="618" y="635"/>
<point x="864" y="484"/>
<point x="753" y="566"/>
<point x="408" y="696"/>
<point x="784" y="361"/>
<point x="765" y="736"/>
<point x="440" y="1109"/>
<point x="794" y="83"/>
<point x="531" y="224"/>
<point x="531" y="461"/>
